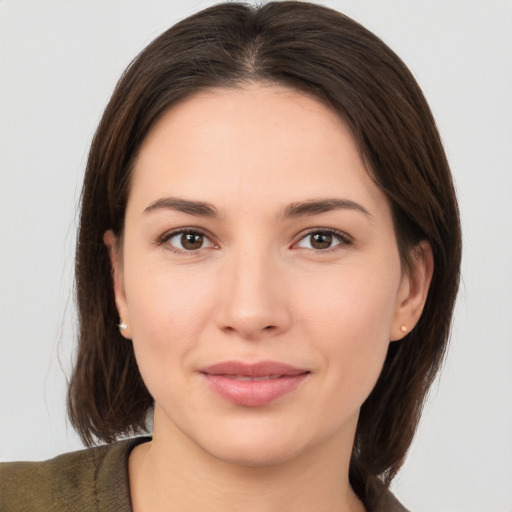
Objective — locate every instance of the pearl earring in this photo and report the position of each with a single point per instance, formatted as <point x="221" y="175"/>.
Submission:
<point x="403" y="328"/>
<point x="122" y="326"/>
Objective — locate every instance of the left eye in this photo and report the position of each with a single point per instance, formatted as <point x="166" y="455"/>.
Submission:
<point x="189" y="241"/>
<point x="321" y="240"/>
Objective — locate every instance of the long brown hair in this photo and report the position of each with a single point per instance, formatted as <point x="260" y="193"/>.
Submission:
<point x="324" y="53"/>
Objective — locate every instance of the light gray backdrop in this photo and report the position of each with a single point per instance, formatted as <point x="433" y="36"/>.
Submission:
<point x="59" y="61"/>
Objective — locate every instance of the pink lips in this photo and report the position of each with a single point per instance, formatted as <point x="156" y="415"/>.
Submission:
<point x="253" y="385"/>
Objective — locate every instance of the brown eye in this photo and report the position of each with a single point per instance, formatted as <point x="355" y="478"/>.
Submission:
<point x="321" y="240"/>
<point x="187" y="241"/>
<point x="191" y="241"/>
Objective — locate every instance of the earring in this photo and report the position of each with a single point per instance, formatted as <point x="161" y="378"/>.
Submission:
<point x="403" y="328"/>
<point x="122" y="326"/>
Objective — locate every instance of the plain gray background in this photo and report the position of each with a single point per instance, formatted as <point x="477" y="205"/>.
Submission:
<point x="59" y="61"/>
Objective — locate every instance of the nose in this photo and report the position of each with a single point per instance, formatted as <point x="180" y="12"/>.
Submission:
<point x="254" y="300"/>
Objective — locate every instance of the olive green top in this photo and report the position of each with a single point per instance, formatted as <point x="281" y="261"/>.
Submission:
<point x="91" y="480"/>
<point x="95" y="479"/>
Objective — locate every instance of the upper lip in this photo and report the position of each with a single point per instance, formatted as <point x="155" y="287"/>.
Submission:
<point x="260" y="369"/>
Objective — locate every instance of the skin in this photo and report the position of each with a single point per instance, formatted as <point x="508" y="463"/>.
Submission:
<point x="258" y="288"/>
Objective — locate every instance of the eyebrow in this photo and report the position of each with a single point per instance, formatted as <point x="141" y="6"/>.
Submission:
<point x="317" y="206"/>
<point x="198" y="208"/>
<point x="293" y="210"/>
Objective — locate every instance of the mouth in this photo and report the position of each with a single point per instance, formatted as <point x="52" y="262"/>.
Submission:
<point x="253" y="385"/>
<point x="252" y="379"/>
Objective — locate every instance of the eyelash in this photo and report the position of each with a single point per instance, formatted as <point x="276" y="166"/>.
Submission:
<point x="182" y="231"/>
<point x="342" y="238"/>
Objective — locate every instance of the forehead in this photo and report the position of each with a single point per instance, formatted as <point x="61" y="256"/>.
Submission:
<point x="258" y="143"/>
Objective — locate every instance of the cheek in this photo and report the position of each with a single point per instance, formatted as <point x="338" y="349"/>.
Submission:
<point x="168" y="315"/>
<point x="168" y="311"/>
<point x="355" y="301"/>
<point x="350" y="322"/>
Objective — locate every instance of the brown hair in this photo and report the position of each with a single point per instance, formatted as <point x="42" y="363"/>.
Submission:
<point x="324" y="53"/>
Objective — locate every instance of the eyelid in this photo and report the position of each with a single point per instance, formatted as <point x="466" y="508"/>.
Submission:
<point x="344" y="238"/>
<point x="165" y="237"/>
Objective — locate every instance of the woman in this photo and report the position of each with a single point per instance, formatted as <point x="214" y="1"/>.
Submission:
<point x="267" y="263"/>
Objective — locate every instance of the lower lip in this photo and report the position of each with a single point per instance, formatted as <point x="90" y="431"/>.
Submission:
<point x="254" y="393"/>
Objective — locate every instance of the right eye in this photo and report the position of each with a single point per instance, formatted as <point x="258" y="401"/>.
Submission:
<point x="187" y="241"/>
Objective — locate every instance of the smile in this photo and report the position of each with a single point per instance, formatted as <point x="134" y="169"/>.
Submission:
<point x="253" y="385"/>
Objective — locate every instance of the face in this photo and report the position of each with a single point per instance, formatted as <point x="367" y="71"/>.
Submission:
<point x="258" y="275"/>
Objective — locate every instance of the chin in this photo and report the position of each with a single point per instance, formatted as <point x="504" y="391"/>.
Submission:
<point x="261" y="444"/>
<point x="252" y="455"/>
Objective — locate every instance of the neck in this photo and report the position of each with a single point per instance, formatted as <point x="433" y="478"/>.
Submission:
<point x="173" y="473"/>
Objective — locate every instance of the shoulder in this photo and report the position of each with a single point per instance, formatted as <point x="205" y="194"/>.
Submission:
<point x="92" y="479"/>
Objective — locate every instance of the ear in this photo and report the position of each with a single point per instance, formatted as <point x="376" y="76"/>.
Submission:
<point x="413" y="291"/>
<point x="111" y="241"/>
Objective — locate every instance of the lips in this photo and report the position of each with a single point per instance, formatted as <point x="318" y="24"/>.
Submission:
<point x="253" y="385"/>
